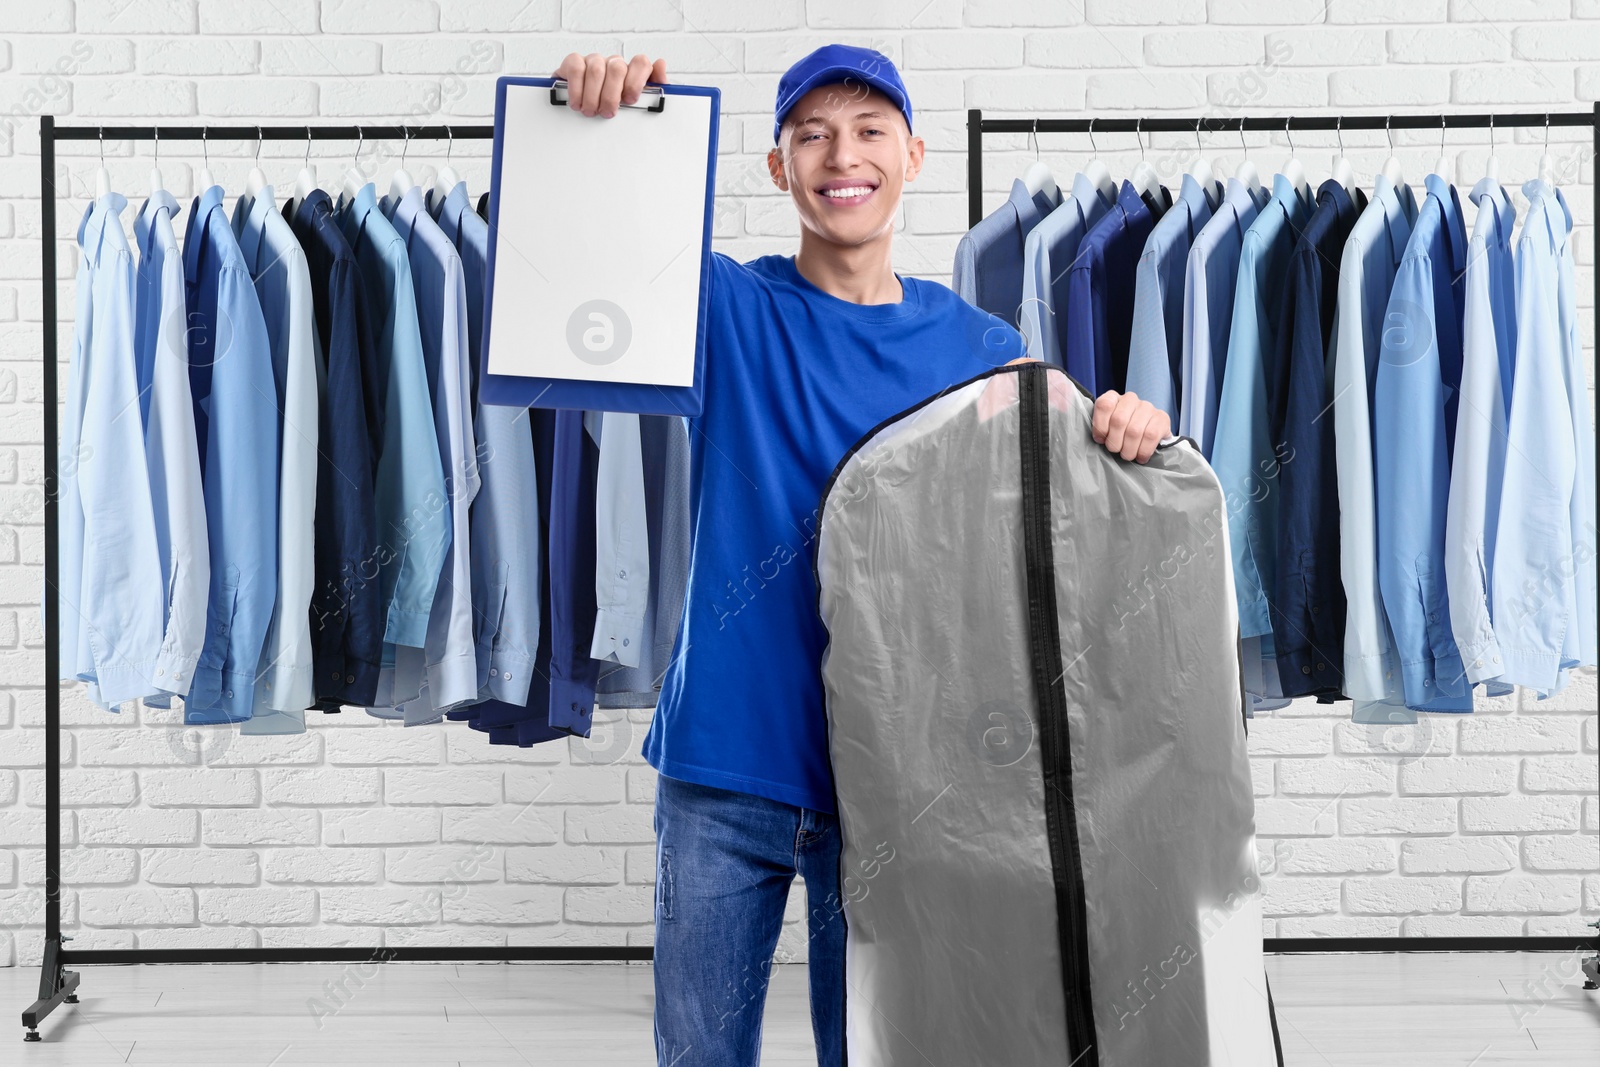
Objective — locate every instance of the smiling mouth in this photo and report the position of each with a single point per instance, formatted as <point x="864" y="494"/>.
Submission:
<point x="849" y="194"/>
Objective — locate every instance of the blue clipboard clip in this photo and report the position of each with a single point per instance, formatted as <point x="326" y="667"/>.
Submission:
<point x="558" y="95"/>
<point x="646" y="399"/>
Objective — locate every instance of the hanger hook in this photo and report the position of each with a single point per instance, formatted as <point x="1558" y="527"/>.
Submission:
<point x="1138" y="131"/>
<point x="361" y="136"/>
<point x="1092" y="146"/>
<point x="1033" y="135"/>
<point x="1243" y="146"/>
<point x="1443" y="121"/>
<point x="102" y="130"/>
<point x="449" y="145"/>
<point x="258" y="146"/>
<point x="1388" y="134"/>
<point x="1491" y="134"/>
<point x="156" y="132"/>
<point x="1547" y="132"/>
<point x="1338" y="131"/>
<point x="1199" y="148"/>
<point x="1288" y="135"/>
<point x="308" y="148"/>
<point x="407" y="131"/>
<point x="205" y="145"/>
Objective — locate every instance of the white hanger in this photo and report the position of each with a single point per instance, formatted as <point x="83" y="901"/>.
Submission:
<point x="102" y="177"/>
<point x="1444" y="168"/>
<point x="155" y="164"/>
<point x="402" y="182"/>
<point x="1201" y="171"/>
<point x="1391" y="166"/>
<point x="1547" y="163"/>
<point x="255" y="181"/>
<point x="445" y="179"/>
<point x="205" y="168"/>
<point x="1247" y="173"/>
<point x="1491" y="166"/>
<point x="1037" y="178"/>
<point x="1144" y="177"/>
<point x="354" y="180"/>
<point x="1096" y="172"/>
<point x="306" y="183"/>
<point x="1343" y="172"/>
<point x="1294" y="170"/>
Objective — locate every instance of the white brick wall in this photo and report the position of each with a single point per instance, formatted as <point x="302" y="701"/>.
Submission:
<point x="365" y="833"/>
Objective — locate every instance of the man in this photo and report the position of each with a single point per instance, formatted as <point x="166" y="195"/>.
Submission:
<point x="804" y="355"/>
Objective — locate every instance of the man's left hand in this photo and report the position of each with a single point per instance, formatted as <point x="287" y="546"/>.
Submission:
<point x="1128" y="426"/>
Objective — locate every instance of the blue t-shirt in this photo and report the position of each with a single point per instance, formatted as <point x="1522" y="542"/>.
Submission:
<point x="793" y="378"/>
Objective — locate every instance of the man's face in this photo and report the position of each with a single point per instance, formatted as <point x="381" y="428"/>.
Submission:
<point x="843" y="155"/>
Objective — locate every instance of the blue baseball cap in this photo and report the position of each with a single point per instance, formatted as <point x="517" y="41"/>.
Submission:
<point x="837" y="63"/>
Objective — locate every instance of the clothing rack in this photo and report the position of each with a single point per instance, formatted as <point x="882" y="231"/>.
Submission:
<point x="58" y="985"/>
<point x="977" y="126"/>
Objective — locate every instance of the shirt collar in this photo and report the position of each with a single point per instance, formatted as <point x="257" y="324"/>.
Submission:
<point x="403" y="213"/>
<point x="1490" y="192"/>
<point x="254" y="225"/>
<point x="1197" y="197"/>
<point x="91" y="230"/>
<point x="354" y="211"/>
<point x="1537" y="189"/>
<point x="451" y="209"/>
<point x="1027" y="208"/>
<point x="199" y="220"/>
<point x="1455" y="228"/>
<point x="1397" y="221"/>
<point x="145" y="221"/>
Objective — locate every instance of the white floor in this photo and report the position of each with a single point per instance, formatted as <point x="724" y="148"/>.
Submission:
<point x="1409" y="1010"/>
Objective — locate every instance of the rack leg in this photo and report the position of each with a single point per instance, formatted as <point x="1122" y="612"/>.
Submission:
<point x="56" y="986"/>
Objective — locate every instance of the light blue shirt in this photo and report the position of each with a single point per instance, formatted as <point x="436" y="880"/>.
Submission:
<point x="283" y="285"/>
<point x="172" y="453"/>
<point x="449" y="652"/>
<point x="112" y="616"/>
<point x="1477" y="465"/>
<point x="413" y="512"/>
<point x="1210" y="275"/>
<point x="622" y="542"/>
<point x="1155" y="348"/>
<point x="236" y="423"/>
<point x="988" y="267"/>
<point x="1243" y="454"/>
<point x="1414" y="404"/>
<point x="1372" y="254"/>
<point x="1543" y="582"/>
<point x="506" y="546"/>
<point x="1047" y="255"/>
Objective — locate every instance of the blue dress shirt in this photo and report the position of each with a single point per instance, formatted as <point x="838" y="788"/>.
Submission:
<point x="1100" y="289"/>
<point x="449" y="652"/>
<point x="284" y="684"/>
<point x="989" y="257"/>
<point x="505" y="534"/>
<point x="1047" y="256"/>
<point x="171" y="450"/>
<point x="1372" y="255"/>
<point x="1543" y="582"/>
<point x="347" y="613"/>
<point x="1210" y="274"/>
<point x="1414" y="408"/>
<point x="112" y="603"/>
<point x="573" y="673"/>
<point x="236" y="426"/>
<point x="413" y="511"/>
<point x="1308" y="625"/>
<point x="1477" y="466"/>
<point x="1155" y="347"/>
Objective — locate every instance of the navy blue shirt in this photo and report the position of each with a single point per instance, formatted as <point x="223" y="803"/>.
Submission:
<point x="1309" y="606"/>
<point x="793" y="378"/>
<point x="346" y="609"/>
<point x="1100" y="287"/>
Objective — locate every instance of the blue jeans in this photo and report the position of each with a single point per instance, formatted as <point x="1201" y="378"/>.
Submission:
<point x="724" y="863"/>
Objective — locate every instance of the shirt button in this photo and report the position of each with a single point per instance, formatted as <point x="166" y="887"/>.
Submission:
<point x="177" y="676"/>
<point x="1433" y="616"/>
<point x="508" y="676"/>
<point x="622" y="574"/>
<point x="624" y="642"/>
<point x="334" y="676"/>
<point x="583" y="711"/>
<point x="160" y="670"/>
<point x="1322" y="666"/>
<point x="349" y="678"/>
<point x="1496" y="659"/>
<point x="493" y="673"/>
<point x="230" y="694"/>
<point x="1305" y="670"/>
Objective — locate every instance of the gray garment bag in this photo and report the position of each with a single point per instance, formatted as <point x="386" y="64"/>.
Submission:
<point x="1036" y="724"/>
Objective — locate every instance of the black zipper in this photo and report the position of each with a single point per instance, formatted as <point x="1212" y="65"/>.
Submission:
<point x="1044" y="640"/>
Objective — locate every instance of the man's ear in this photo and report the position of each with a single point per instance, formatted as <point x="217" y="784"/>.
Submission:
<point x="775" y="168"/>
<point x="915" y="149"/>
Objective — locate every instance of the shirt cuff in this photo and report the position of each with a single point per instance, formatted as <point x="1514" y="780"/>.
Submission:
<point x="286" y="688"/>
<point x="271" y="721"/>
<point x="1306" y="672"/>
<point x="1539" y="671"/>
<point x="507" y="677"/>
<point x="174" y="672"/>
<point x="125" y="681"/>
<point x="453" y="680"/>
<point x="219" y="697"/>
<point x="571" y="706"/>
<point x="1482" y="659"/>
<point x="617" y="637"/>
<point x="406" y="627"/>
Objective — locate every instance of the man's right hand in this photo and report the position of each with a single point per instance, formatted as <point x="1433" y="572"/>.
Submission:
<point x="598" y="85"/>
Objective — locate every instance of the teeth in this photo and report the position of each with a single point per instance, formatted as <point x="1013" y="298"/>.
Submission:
<point x="840" y="194"/>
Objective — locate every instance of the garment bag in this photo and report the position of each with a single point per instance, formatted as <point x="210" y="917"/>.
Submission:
<point x="1036" y="725"/>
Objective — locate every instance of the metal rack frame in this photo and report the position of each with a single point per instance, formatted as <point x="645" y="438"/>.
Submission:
<point x="977" y="126"/>
<point x="58" y="985"/>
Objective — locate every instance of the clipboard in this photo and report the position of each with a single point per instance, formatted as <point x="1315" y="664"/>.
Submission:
<point x="599" y="270"/>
